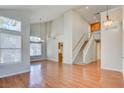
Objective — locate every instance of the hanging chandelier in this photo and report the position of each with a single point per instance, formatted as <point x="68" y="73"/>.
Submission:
<point x="108" y="21"/>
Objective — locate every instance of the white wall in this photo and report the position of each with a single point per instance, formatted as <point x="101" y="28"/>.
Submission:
<point x="79" y="27"/>
<point x="57" y="29"/>
<point x="67" y="50"/>
<point x="57" y="26"/>
<point x="98" y="45"/>
<point x="35" y="31"/>
<point x="68" y="28"/>
<point x="6" y="70"/>
<point x="52" y="48"/>
<point x="123" y="40"/>
<point x="111" y="41"/>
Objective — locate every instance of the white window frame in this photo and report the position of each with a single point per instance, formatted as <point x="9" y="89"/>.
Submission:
<point x="16" y="33"/>
<point x="36" y="41"/>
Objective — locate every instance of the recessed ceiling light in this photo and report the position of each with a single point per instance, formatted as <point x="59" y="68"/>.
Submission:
<point x="86" y="7"/>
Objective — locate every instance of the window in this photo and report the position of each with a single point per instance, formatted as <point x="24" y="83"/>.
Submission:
<point x="35" y="46"/>
<point x="9" y="24"/>
<point x="35" y="49"/>
<point x="10" y="42"/>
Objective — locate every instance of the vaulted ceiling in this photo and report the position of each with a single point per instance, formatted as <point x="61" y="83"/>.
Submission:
<point x="91" y="13"/>
<point x="49" y="12"/>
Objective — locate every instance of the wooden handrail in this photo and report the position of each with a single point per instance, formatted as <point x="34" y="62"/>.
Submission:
<point x="78" y="42"/>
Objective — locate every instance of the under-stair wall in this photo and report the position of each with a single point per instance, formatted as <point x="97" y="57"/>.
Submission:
<point x="89" y="52"/>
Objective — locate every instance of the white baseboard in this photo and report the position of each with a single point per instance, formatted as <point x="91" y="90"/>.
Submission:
<point x="12" y="74"/>
<point x="38" y="60"/>
<point x="107" y="68"/>
<point x="67" y="63"/>
<point x="53" y="60"/>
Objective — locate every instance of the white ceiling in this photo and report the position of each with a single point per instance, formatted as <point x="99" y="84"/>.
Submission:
<point x="92" y="13"/>
<point x="46" y="12"/>
<point x="50" y="12"/>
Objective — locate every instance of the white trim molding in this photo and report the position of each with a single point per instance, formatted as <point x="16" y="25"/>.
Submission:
<point x="16" y="73"/>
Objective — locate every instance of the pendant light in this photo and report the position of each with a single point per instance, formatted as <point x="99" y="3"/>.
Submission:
<point x="108" y="21"/>
<point x="40" y="31"/>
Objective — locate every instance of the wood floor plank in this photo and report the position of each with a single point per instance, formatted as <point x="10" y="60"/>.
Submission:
<point x="47" y="74"/>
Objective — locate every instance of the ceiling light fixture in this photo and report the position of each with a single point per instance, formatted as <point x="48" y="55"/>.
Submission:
<point x="108" y="21"/>
<point x="40" y="31"/>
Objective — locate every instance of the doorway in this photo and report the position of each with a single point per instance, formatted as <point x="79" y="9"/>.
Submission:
<point x="98" y="50"/>
<point x="60" y="52"/>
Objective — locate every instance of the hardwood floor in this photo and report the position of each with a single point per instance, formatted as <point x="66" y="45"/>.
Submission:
<point x="53" y="75"/>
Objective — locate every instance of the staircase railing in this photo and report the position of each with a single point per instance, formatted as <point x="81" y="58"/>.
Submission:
<point x="78" y="45"/>
<point x="88" y="50"/>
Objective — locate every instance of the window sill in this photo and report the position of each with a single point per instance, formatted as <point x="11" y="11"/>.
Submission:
<point x="13" y="63"/>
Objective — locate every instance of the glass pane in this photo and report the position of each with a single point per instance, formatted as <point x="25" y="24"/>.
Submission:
<point x="10" y="41"/>
<point x="10" y="55"/>
<point x="10" y="24"/>
<point x="35" y="49"/>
